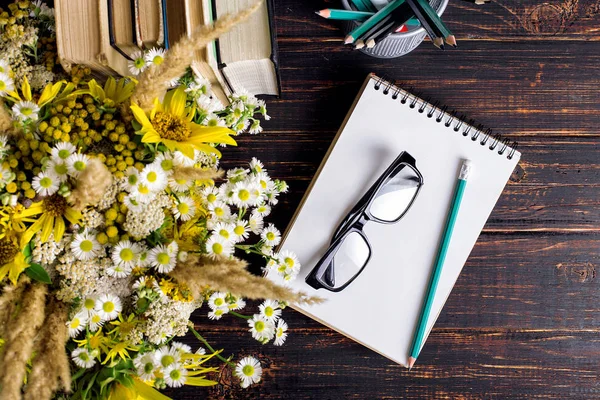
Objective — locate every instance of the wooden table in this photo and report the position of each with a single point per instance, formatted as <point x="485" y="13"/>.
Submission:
<point x="524" y="318"/>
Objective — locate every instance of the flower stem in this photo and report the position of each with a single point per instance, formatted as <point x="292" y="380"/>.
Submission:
<point x="239" y="315"/>
<point x="209" y="347"/>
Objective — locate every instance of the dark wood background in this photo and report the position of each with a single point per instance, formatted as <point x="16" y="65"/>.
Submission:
<point x="524" y="318"/>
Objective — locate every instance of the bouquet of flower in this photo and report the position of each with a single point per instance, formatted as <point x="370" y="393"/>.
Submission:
<point x="116" y="223"/>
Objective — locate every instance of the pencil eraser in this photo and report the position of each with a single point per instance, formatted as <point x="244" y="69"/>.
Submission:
<point x="465" y="170"/>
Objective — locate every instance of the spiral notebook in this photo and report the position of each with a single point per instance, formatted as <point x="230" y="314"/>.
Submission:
<point x="380" y="308"/>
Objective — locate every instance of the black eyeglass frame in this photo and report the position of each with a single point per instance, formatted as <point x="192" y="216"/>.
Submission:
<point x="355" y="221"/>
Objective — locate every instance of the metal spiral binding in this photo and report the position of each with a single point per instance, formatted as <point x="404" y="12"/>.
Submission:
<point x="449" y="118"/>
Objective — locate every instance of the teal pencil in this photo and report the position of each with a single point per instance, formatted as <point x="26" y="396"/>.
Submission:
<point x="364" y="5"/>
<point x="330" y="13"/>
<point x="419" y="335"/>
<point x="368" y="24"/>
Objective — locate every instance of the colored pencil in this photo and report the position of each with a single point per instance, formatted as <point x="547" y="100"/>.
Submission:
<point x="364" y="5"/>
<point x="345" y="15"/>
<point x="368" y="24"/>
<point x="436" y="22"/>
<point x="398" y="17"/>
<point x="419" y="335"/>
<point x="419" y="13"/>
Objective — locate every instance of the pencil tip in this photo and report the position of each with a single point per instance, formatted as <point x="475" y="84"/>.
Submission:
<point x="324" y="13"/>
<point x="370" y="43"/>
<point x="451" y="40"/>
<point x="411" y="362"/>
<point x="359" y="44"/>
<point x="349" y="39"/>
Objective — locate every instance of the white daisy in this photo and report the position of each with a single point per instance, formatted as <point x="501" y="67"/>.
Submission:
<point x="218" y="313"/>
<point x="182" y="348"/>
<point x="77" y="324"/>
<point x="45" y="183"/>
<point x="155" y="56"/>
<point x="210" y="194"/>
<point x="153" y="177"/>
<point x="208" y="105"/>
<point x="59" y="169"/>
<point x="126" y="253"/>
<point x="237" y="304"/>
<point x="138" y="64"/>
<point x="241" y="230"/>
<point x="217" y="246"/>
<point x="213" y="120"/>
<point x="262" y="109"/>
<point x="132" y="175"/>
<point x="25" y="110"/>
<point x="88" y="306"/>
<point x="225" y="230"/>
<point x="173" y="248"/>
<point x="249" y="371"/>
<point x="263" y="210"/>
<point x="83" y="358"/>
<point x="145" y="365"/>
<point x="217" y="300"/>
<point x="6" y="84"/>
<point x="6" y="176"/>
<point x="255" y="127"/>
<point x="256" y="223"/>
<point x="260" y="328"/>
<point x="181" y="160"/>
<point x="175" y="375"/>
<point x="266" y="250"/>
<point x="280" y="332"/>
<point x="289" y="259"/>
<point x="264" y="182"/>
<point x="199" y="85"/>
<point x="180" y="185"/>
<point x="185" y="209"/>
<point x="201" y="351"/>
<point x="118" y="271"/>
<point x="76" y="163"/>
<point x="162" y="259"/>
<point x="85" y="246"/>
<point x="237" y="174"/>
<point x="62" y="150"/>
<point x="132" y="204"/>
<point x="271" y="235"/>
<point x="165" y="162"/>
<point x="4" y="146"/>
<point x="166" y="356"/>
<point x="269" y="309"/>
<point x="95" y="321"/>
<point x="144" y="258"/>
<point x="220" y="210"/>
<point x="109" y="306"/>
<point x="242" y="194"/>
<point x="142" y="194"/>
<point x="256" y="166"/>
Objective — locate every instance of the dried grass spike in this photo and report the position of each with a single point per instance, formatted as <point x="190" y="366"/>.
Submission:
<point x="91" y="185"/>
<point x="154" y="81"/>
<point x="191" y="173"/>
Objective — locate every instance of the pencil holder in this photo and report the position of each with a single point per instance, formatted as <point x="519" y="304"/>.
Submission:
<point x="397" y="44"/>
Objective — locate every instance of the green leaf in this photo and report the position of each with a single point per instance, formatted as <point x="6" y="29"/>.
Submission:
<point x="38" y="273"/>
<point x="27" y="251"/>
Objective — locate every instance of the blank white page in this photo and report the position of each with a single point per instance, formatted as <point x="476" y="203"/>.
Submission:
<point x="380" y="308"/>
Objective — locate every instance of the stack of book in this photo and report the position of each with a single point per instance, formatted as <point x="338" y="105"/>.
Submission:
<point x="104" y="35"/>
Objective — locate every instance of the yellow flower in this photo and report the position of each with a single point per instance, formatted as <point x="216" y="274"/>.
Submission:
<point x="171" y="123"/>
<point x="48" y="94"/>
<point x="114" y="92"/>
<point x="124" y="326"/>
<point x="97" y="341"/>
<point x="12" y="222"/>
<point x="14" y="268"/>
<point x="119" y="349"/>
<point x="52" y="210"/>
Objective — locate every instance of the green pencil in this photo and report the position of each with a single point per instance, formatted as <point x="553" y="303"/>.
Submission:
<point x="436" y="22"/>
<point x="364" y="5"/>
<point x="368" y="24"/>
<point x="419" y="335"/>
<point x="330" y="13"/>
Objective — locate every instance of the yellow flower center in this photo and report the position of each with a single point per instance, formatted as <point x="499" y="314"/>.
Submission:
<point x="219" y="211"/>
<point x="248" y="370"/>
<point x="79" y="165"/>
<point x="89" y="303"/>
<point x="269" y="311"/>
<point x="74" y="323"/>
<point x="7" y="251"/>
<point x="86" y="246"/>
<point x="217" y="248"/>
<point x="259" y="326"/>
<point x="211" y="198"/>
<point x="60" y="169"/>
<point x="157" y="60"/>
<point x="167" y="165"/>
<point x="289" y="261"/>
<point x="244" y="195"/>
<point x="163" y="258"/>
<point x="126" y="255"/>
<point x="175" y="374"/>
<point x="55" y="206"/>
<point x="170" y="127"/>
<point x="148" y="367"/>
<point x="84" y="356"/>
<point x="270" y="236"/>
<point x="2" y="85"/>
<point x="151" y="176"/>
<point x="143" y="189"/>
<point x="183" y="208"/>
<point x="167" y="360"/>
<point x="218" y="302"/>
<point x="45" y="182"/>
<point x="64" y="154"/>
<point x="108" y="307"/>
<point x="224" y="233"/>
<point x="238" y="230"/>
<point x="96" y="319"/>
<point x="26" y="111"/>
<point x="139" y="63"/>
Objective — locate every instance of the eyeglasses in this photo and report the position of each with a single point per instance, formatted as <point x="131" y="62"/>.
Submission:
<point x="386" y="202"/>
